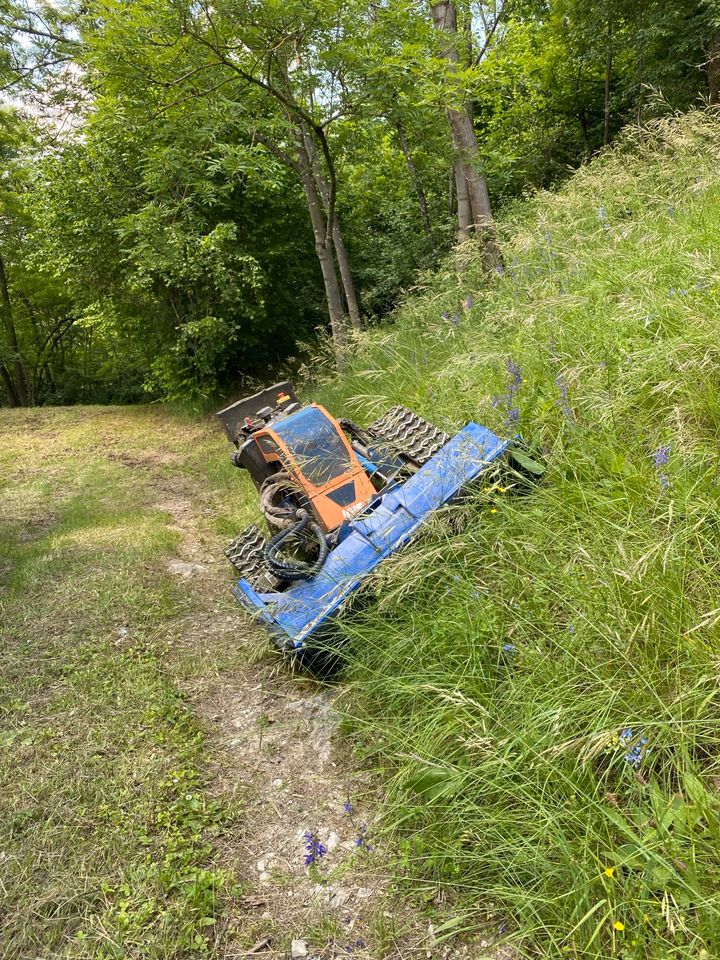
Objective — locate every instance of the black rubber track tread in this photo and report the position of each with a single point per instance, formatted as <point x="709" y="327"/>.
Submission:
<point x="247" y="554"/>
<point x="408" y="434"/>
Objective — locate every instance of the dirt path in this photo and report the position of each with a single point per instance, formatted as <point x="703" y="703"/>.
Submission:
<point x="272" y="744"/>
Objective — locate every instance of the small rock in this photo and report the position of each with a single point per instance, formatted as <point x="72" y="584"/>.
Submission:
<point x="278" y="783"/>
<point x="332" y="841"/>
<point x="364" y="892"/>
<point x="260" y="866"/>
<point x="338" y="898"/>
<point x="298" y="949"/>
<point x="185" y="570"/>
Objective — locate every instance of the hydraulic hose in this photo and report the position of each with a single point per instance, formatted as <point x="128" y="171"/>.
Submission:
<point x="274" y="489"/>
<point x="285" y="569"/>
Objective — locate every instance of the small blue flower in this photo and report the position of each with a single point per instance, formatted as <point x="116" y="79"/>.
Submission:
<point x="515" y="371"/>
<point x="571" y="628"/>
<point x="348" y="807"/>
<point x="637" y="751"/>
<point x="513" y="415"/>
<point x="500" y="269"/>
<point x="361" y="840"/>
<point x="468" y="302"/>
<point x="661" y="458"/>
<point x="314" y="849"/>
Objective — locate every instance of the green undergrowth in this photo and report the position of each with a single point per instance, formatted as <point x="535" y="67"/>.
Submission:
<point x="107" y="831"/>
<point x="537" y="679"/>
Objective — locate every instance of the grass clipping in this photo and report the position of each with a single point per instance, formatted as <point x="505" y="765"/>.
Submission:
<point x="541" y="688"/>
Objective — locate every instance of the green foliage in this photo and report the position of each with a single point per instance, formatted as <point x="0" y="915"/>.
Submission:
<point x="537" y="678"/>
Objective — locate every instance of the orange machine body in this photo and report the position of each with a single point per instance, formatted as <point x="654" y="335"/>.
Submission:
<point x="311" y="446"/>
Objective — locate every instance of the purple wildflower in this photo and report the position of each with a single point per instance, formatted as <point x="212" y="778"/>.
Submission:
<point x="314" y="849"/>
<point x="361" y="840"/>
<point x="445" y="315"/>
<point x="500" y="269"/>
<point x="348" y="807"/>
<point x="515" y="371"/>
<point x="468" y="302"/>
<point x="661" y="458"/>
<point x="563" y="401"/>
<point x="507" y="400"/>
<point x="455" y="320"/>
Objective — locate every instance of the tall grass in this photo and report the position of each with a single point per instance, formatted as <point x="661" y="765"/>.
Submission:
<point x="541" y="689"/>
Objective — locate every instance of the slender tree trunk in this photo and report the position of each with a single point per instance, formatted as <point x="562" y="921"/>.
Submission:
<point x="713" y="68"/>
<point x="417" y="182"/>
<point x="323" y="248"/>
<point x="9" y="387"/>
<point x="469" y="179"/>
<point x="608" y="75"/>
<point x="464" y="210"/>
<point x="343" y="260"/>
<point x="19" y="379"/>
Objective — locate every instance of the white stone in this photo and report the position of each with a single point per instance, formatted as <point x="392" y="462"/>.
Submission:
<point x="298" y="949"/>
<point x="278" y="783"/>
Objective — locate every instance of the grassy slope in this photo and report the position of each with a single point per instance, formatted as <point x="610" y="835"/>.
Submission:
<point x="105" y="830"/>
<point x="497" y="677"/>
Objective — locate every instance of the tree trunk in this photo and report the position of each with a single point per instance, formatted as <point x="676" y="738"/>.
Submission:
<point x="469" y="179"/>
<point x="323" y="249"/>
<point x="9" y="387"/>
<point x="343" y="260"/>
<point x="417" y="183"/>
<point x="19" y="379"/>
<point x="713" y="68"/>
<point x="464" y="211"/>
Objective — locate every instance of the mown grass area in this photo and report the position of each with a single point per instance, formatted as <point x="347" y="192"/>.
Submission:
<point x="106" y="829"/>
<point x="541" y="690"/>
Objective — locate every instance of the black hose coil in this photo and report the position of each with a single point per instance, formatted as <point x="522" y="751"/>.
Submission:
<point x="293" y="570"/>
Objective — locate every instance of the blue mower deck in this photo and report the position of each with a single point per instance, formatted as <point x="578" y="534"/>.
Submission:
<point x="294" y="615"/>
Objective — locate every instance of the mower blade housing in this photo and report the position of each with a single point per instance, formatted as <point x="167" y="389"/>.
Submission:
<point x="294" y="615"/>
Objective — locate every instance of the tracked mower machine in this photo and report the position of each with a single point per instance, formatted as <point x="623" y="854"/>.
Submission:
<point x="338" y="499"/>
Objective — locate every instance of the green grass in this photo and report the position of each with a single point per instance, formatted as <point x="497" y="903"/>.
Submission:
<point x="106" y="826"/>
<point x="492" y="679"/>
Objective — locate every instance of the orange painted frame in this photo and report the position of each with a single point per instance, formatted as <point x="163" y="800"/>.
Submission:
<point x="328" y="514"/>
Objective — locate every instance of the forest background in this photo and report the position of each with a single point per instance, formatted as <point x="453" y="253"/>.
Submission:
<point x="193" y="194"/>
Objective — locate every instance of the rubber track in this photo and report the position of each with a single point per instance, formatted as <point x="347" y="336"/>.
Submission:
<point x="408" y="434"/>
<point x="247" y="554"/>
